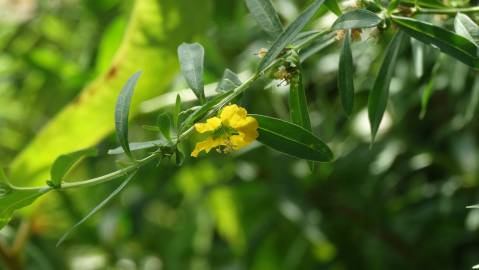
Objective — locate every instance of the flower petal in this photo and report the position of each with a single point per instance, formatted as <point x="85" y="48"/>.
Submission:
<point x="207" y="145"/>
<point x="211" y="125"/>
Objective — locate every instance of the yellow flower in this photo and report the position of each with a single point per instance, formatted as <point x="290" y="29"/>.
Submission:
<point x="232" y="130"/>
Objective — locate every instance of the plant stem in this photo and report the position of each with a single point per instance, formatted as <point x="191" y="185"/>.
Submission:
<point x="420" y="10"/>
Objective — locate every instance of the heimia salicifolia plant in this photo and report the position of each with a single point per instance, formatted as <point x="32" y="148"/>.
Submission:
<point x="226" y="127"/>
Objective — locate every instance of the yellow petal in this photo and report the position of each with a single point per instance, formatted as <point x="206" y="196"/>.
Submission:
<point x="248" y="126"/>
<point x="211" y="125"/>
<point x="231" y="114"/>
<point x="207" y="145"/>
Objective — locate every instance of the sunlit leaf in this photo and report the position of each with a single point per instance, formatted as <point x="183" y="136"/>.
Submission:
<point x="191" y="57"/>
<point x="359" y="18"/>
<point x="291" y="139"/>
<point x="122" y="110"/>
<point x="379" y="94"/>
<point x="266" y="16"/>
<point x="64" y="163"/>
<point x="464" y="26"/>
<point x="448" y="42"/>
<point x="289" y="34"/>
<point x="346" y="76"/>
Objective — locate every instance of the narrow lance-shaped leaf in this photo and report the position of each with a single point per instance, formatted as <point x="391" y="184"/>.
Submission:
<point x="289" y="34"/>
<point x="298" y="105"/>
<point x="333" y="6"/>
<point x="64" y="163"/>
<point x="135" y="146"/>
<point x="176" y="115"/>
<point x="345" y="76"/>
<point x="122" y="110"/>
<point x="378" y="96"/>
<point x="359" y="18"/>
<point x="266" y="16"/>
<point x="164" y="123"/>
<point x="448" y="42"/>
<point x="191" y="57"/>
<point x="97" y="208"/>
<point x="464" y="26"/>
<point x="291" y="139"/>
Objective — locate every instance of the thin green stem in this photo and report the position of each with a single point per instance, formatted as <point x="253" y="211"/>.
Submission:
<point x="420" y="10"/>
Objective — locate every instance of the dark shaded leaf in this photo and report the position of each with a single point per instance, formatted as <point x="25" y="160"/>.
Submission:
<point x="448" y="42"/>
<point x="345" y="76"/>
<point x="292" y="139"/>
<point x="378" y="96"/>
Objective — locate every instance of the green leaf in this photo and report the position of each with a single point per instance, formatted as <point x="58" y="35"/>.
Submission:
<point x="333" y="6"/>
<point x="448" y="42"/>
<point x="64" y="163"/>
<point x="298" y="105"/>
<point x="345" y="76"/>
<point x="88" y="118"/>
<point x="426" y="3"/>
<point x="378" y="97"/>
<point x="164" y="123"/>
<point x="179" y="157"/>
<point x="176" y="115"/>
<point x="97" y="208"/>
<point x="135" y="146"/>
<point x="291" y="139"/>
<point x="122" y="110"/>
<point x="473" y="101"/>
<point x="359" y="18"/>
<point x="289" y="34"/>
<point x="266" y="16"/>
<point x="228" y="82"/>
<point x="12" y="198"/>
<point x="464" y="26"/>
<point x="191" y="58"/>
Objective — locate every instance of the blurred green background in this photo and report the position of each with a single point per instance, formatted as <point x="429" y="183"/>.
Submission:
<point x="398" y="205"/>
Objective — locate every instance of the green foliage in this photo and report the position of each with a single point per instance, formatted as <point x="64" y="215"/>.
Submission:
<point x="346" y="76"/>
<point x="450" y="43"/>
<point x="122" y="111"/>
<point x="191" y="57"/>
<point x="64" y="163"/>
<point x="359" y="18"/>
<point x="292" y="139"/>
<point x="379" y="95"/>
<point x="289" y="34"/>
<point x="265" y="15"/>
